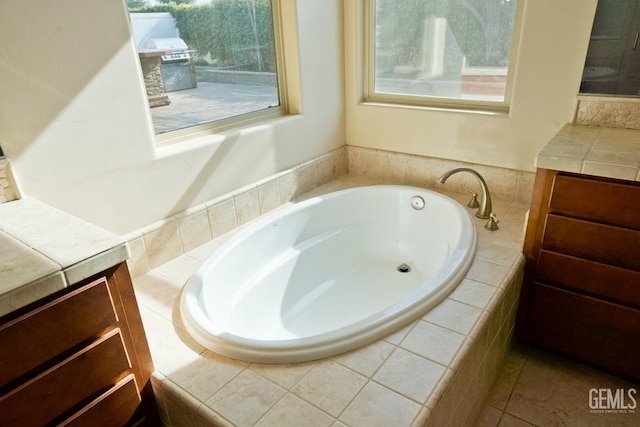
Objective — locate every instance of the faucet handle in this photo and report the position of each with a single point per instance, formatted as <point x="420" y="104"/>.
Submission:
<point x="492" y="224"/>
<point x="473" y="203"/>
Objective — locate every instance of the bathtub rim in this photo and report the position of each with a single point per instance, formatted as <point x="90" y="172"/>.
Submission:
<point x="337" y="341"/>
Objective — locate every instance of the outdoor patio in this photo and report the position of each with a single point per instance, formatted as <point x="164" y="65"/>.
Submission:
<point x="211" y="101"/>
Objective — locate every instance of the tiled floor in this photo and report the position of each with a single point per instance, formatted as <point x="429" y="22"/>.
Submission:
<point x="539" y="389"/>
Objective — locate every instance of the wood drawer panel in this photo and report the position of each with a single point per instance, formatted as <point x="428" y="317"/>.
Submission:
<point x="598" y="332"/>
<point x="82" y="376"/>
<point x="596" y="242"/>
<point x="116" y="407"/>
<point x="601" y="201"/>
<point x="48" y="331"/>
<point x="603" y="280"/>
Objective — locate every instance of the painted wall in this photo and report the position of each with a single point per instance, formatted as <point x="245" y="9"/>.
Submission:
<point x="75" y="123"/>
<point x="552" y="51"/>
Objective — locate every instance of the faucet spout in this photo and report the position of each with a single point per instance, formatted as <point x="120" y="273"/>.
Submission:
<point x="485" y="206"/>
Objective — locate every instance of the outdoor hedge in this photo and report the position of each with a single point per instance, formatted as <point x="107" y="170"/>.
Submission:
<point x="222" y="34"/>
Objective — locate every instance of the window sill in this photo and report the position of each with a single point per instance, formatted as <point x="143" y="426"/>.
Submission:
<point x="221" y="127"/>
<point x="502" y="112"/>
<point x="170" y="145"/>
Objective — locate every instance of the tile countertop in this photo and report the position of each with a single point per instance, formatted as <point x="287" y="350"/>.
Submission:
<point x="43" y="250"/>
<point x="598" y="151"/>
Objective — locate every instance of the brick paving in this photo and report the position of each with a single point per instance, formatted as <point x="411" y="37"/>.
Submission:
<point x="209" y="102"/>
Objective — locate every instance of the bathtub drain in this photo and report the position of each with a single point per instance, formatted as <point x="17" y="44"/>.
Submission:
<point x="404" y="268"/>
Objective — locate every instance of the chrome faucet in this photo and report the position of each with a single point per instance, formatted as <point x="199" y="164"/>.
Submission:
<point x="485" y="211"/>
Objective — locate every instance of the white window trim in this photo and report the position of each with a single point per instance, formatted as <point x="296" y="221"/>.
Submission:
<point x="370" y="97"/>
<point x="288" y="81"/>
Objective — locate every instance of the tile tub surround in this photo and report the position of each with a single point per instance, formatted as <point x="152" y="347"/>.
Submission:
<point x="165" y="240"/>
<point x="506" y="185"/>
<point x="401" y="380"/>
<point x="605" y="152"/>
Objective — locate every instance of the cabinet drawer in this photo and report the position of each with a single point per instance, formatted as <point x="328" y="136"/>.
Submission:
<point x="613" y="203"/>
<point x="78" y="379"/>
<point x="595" y="331"/>
<point x="50" y="330"/>
<point x="613" y="283"/>
<point x="596" y="242"/>
<point x="116" y="407"/>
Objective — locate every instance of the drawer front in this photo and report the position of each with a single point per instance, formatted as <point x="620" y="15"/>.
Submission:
<point x="116" y="407"/>
<point x="601" y="280"/>
<point x="594" y="331"/>
<point x="77" y="379"/>
<point x="612" y="203"/>
<point x="48" y="331"/>
<point x="596" y="242"/>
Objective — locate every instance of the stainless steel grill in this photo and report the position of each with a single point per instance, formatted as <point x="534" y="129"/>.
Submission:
<point x="177" y="46"/>
<point x="177" y="67"/>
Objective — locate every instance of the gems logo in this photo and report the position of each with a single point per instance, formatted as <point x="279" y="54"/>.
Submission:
<point x="606" y="400"/>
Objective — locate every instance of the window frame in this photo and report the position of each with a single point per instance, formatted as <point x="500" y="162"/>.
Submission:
<point x="370" y="96"/>
<point x="245" y="119"/>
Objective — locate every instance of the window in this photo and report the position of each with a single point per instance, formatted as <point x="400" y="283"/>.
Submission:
<point x="440" y="52"/>
<point x="208" y="64"/>
<point x="613" y="62"/>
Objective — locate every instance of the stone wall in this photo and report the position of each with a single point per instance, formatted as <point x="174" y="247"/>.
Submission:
<point x="153" y="80"/>
<point x="608" y="111"/>
<point x="213" y="75"/>
<point x="8" y="187"/>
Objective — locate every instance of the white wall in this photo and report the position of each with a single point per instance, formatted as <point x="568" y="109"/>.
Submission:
<point x="551" y="54"/>
<point x="74" y="120"/>
<point x="75" y="124"/>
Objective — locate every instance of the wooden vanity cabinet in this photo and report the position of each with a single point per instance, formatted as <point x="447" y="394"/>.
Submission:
<point x="581" y="291"/>
<point x="79" y="357"/>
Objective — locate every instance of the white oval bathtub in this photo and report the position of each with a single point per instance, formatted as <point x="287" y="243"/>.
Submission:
<point x="322" y="277"/>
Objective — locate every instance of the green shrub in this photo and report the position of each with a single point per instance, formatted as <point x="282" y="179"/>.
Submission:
<point x="221" y="32"/>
